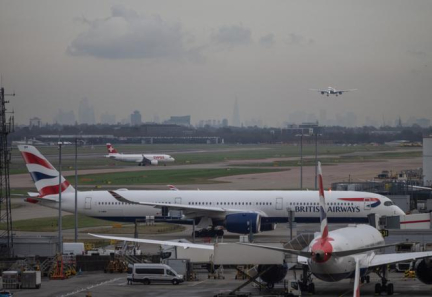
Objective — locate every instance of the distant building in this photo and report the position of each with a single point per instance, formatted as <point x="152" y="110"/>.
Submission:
<point x="86" y="112"/>
<point x="179" y="120"/>
<point x="224" y="123"/>
<point x="35" y="122"/>
<point x="236" y="115"/>
<point x="108" y="119"/>
<point x="136" y="118"/>
<point x="65" y="118"/>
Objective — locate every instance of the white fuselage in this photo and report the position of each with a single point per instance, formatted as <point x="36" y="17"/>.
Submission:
<point x="152" y="159"/>
<point x="273" y="204"/>
<point x="349" y="238"/>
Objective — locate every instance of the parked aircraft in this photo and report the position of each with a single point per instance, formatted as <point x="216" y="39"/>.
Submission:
<point x="350" y="253"/>
<point x="332" y="256"/>
<point x="212" y="210"/>
<point x="141" y="159"/>
<point x="332" y="91"/>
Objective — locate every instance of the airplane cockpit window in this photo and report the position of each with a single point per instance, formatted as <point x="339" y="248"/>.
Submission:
<point x="388" y="203"/>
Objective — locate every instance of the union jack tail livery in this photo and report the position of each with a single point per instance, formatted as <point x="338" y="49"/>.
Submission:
<point x="111" y="149"/>
<point x="323" y="208"/>
<point x="44" y="175"/>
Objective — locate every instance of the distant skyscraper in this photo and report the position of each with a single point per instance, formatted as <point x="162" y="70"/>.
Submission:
<point x="65" y="118"/>
<point x="86" y="112"/>
<point x="236" y="115"/>
<point x="136" y="118"/>
<point x="108" y="119"/>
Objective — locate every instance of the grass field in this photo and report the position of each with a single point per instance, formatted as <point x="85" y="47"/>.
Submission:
<point x="310" y="161"/>
<point x="178" y="176"/>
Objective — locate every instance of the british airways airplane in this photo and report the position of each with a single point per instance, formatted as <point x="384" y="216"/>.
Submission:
<point x="141" y="159"/>
<point x="212" y="210"/>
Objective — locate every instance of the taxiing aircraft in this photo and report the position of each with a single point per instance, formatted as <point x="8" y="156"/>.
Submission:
<point x="212" y="210"/>
<point x="332" y="91"/>
<point x="141" y="159"/>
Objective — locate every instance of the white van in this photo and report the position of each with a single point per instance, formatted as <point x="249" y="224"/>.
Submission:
<point x="73" y="248"/>
<point x="148" y="273"/>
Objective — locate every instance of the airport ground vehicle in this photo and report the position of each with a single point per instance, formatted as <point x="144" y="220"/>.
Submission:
<point x="152" y="273"/>
<point x="73" y="248"/>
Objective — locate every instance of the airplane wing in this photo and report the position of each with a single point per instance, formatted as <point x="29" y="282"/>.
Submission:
<point x="161" y="242"/>
<point x="384" y="259"/>
<point x="343" y="91"/>
<point x="198" y="209"/>
<point x="318" y="90"/>
<point x="305" y="254"/>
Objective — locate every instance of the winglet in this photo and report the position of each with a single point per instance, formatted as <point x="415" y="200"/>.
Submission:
<point x="323" y="208"/>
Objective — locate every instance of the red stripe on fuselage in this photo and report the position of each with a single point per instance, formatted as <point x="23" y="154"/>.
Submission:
<point x="415" y="222"/>
<point x="33" y="159"/>
<point x="52" y="190"/>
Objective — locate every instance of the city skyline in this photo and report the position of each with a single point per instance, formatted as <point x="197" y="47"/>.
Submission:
<point x="197" y="57"/>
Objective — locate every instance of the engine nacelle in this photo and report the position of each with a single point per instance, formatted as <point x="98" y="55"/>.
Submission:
<point x="154" y="162"/>
<point x="322" y="93"/>
<point x="340" y="93"/>
<point x="274" y="275"/>
<point x="240" y="222"/>
<point x="423" y="269"/>
<point x="268" y="227"/>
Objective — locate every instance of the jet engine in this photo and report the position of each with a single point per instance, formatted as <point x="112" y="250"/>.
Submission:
<point x="240" y="222"/>
<point x="274" y="275"/>
<point x="423" y="269"/>
<point x="268" y="227"/>
<point x="154" y="162"/>
<point x="322" y="93"/>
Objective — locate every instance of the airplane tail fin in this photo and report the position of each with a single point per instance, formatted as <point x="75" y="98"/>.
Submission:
<point x="356" y="291"/>
<point x="43" y="173"/>
<point x="111" y="149"/>
<point x="323" y="208"/>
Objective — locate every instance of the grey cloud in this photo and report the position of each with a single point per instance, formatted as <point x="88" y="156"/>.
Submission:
<point x="418" y="54"/>
<point x="298" y="39"/>
<point x="232" y="35"/>
<point x="128" y="35"/>
<point x="267" y="40"/>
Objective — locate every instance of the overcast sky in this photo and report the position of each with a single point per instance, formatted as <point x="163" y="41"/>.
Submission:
<point x="195" y="57"/>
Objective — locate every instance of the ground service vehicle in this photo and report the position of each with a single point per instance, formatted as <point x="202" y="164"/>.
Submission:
<point x="149" y="273"/>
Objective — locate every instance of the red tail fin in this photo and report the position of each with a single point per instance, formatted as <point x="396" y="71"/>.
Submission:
<point x="111" y="149"/>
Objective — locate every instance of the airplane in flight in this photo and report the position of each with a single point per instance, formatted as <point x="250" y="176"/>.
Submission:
<point x="332" y="256"/>
<point x="332" y="91"/>
<point x="141" y="159"/>
<point x="212" y="210"/>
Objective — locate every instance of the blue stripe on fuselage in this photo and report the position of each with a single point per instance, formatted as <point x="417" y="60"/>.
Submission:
<point x="264" y="220"/>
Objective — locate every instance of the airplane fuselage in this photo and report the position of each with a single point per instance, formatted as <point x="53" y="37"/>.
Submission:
<point x="153" y="159"/>
<point x="342" y="206"/>
<point x="349" y="238"/>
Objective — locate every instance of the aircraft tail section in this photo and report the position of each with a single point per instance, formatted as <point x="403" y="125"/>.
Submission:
<point x="111" y="149"/>
<point x="43" y="173"/>
<point x="323" y="208"/>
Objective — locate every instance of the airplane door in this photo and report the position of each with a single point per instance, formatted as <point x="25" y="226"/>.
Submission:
<point x="279" y="203"/>
<point x="176" y="213"/>
<point x="87" y="204"/>
<point x="367" y="204"/>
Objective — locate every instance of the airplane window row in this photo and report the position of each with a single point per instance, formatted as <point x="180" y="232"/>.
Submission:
<point x="229" y="203"/>
<point x="316" y="203"/>
<point x="113" y="203"/>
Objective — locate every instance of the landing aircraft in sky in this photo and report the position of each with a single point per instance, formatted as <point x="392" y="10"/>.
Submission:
<point x="332" y="91"/>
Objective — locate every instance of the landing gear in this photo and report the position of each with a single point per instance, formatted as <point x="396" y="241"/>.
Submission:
<point x="365" y="279"/>
<point x="384" y="286"/>
<point x="306" y="284"/>
<point x="209" y="233"/>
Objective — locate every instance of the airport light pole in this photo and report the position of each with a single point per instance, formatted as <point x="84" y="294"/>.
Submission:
<point x="316" y="160"/>
<point x="60" y="240"/>
<point x="301" y="160"/>
<point x="76" y="190"/>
